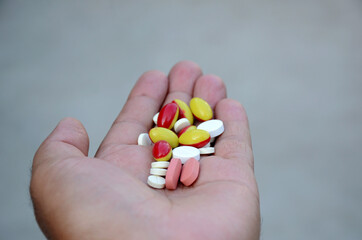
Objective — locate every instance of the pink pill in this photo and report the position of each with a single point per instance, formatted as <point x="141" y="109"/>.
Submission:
<point x="173" y="173"/>
<point x="190" y="172"/>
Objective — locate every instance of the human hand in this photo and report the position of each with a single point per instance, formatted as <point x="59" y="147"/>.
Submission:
<point x="106" y="197"/>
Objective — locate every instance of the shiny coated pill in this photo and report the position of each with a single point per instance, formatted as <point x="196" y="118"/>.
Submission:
<point x="158" y="171"/>
<point x="185" y="111"/>
<point x="158" y="133"/>
<point x="162" y="151"/>
<point x="186" y="152"/>
<point x="168" y="116"/>
<point x="190" y="172"/>
<point x="185" y="129"/>
<point x="195" y="138"/>
<point x="173" y="173"/>
<point x="144" y="140"/>
<point x="162" y="164"/>
<point x="181" y="124"/>
<point x="200" y="109"/>
<point x="215" y="127"/>
<point x="156" y="181"/>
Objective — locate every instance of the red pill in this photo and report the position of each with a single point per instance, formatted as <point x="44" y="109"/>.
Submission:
<point x="162" y="151"/>
<point x="168" y="116"/>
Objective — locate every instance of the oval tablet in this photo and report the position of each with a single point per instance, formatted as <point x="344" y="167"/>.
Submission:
<point x="162" y="151"/>
<point x="144" y="140"/>
<point x="190" y="172"/>
<point x="181" y="124"/>
<point x="156" y="181"/>
<point x="173" y="173"/>
<point x="200" y="109"/>
<point x="158" y="133"/>
<point x="162" y="164"/>
<point x="215" y="127"/>
<point x="158" y="171"/>
<point x="185" y="111"/>
<point x="196" y="138"/>
<point x="168" y="116"/>
<point x="184" y="153"/>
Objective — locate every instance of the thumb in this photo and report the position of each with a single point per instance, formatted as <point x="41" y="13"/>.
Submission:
<point x="68" y="139"/>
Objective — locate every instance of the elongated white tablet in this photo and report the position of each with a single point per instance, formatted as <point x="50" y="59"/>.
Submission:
<point x="160" y="164"/>
<point x="180" y="124"/>
<point x="155" y="118"/>
<point x="184" y="153"/>
<point x="207" y="150"/>
<point x="158" y="171"/>
<point x="144" y="140"/>
<point x="156" y="181"/>
<point x="215" y="127"/>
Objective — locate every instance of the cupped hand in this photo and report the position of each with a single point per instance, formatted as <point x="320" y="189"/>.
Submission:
<point x="106" y="197"/>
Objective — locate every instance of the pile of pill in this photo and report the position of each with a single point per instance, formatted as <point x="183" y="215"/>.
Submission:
<point x="175" y="126"/>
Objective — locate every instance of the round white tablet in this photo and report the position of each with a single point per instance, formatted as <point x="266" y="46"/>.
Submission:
<point x="207" y="150"/>
<point x="155" y="118"/>
<point x="156" y="181"/>
<point x="144" y="140"/>
<point x="160" y="164"/>
<point x="215" y="127"/>
<point x="180" y="124"/>
<point x="184" y="153"/>
<point x="158" y="171"/>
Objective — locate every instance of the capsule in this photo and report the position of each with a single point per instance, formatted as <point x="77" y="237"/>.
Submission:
<point x="200" y="109"/>
<point x="162" y="151"/>
<point x="195" y="138"/>
<point x="158" y="133"/>
<point x="185" y="111"/>
<point x="185" y="129"/>
<point x="168" y="116"/>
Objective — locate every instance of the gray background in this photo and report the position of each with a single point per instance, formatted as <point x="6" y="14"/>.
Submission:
<point x="295" y="65"/>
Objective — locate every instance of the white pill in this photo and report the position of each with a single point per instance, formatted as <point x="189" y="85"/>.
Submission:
<point x="207" y="150"/>
<point x="156" y="181"/>
<point x="160" y="164"/>
<point x="180" y="124"/>
<point x="184" y="153"/>
<point x="215" y="127"/>
<point x="144" y="140"/>
<point x="158" y="171"/>
<point x="155" y="118"/>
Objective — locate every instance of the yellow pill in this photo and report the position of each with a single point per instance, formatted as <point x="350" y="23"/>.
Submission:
<point x="185" y="111"/>
<point x="201" y="109"/>
<point x="196" y="138"/>
<point x="159" y="133"/>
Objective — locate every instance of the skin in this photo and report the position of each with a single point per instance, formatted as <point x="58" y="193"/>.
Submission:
<point x="106" y="196"/>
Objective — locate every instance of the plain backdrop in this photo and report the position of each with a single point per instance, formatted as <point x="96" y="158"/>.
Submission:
<point x="295" y="65"/>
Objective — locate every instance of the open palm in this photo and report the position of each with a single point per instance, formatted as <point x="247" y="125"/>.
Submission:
<point x="106" y="197"/>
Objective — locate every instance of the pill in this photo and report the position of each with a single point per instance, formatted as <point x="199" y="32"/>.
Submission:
<point x="200" y="109"/>
<point x="181" y="124"/>
<point x="162" y="151"/>
<point x="186" y="152"/>
<point x="215" y="127"/>
<point x="190" y="171"/>
<point x="158" y="133"/>
<point x="206" y="150"/>
<point x="162" y="164"/>
<point x="144" y="140"/>
<point x="156" y="181"/>
<point x="155" y="118"/>
<point x="185" y="111"/>
<point x="158" y="171"/>
<point x="168" y="116"/>
<point x="185" y="129"/>
<point x="195" y="138"/>
<point x="173" y="173"/>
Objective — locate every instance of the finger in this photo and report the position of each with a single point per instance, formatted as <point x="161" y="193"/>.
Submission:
<point x="211" y="88"/>
<point x="235" y="142"/>
<point x="68" y="139"/>
<point x="182" y="79"/>
<point x="136" y="116"/>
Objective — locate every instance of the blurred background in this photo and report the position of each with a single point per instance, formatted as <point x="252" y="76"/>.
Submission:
<point x="295" y="65"/>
